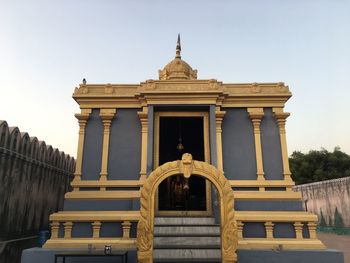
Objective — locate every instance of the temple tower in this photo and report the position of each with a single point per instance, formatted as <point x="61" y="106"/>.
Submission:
<point x="183" y="169"/>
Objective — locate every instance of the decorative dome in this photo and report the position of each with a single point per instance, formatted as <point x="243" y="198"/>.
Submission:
<point x="177" y="68"/>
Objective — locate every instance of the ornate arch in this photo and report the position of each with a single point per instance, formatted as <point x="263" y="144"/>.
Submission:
<point x="186" y="166"/>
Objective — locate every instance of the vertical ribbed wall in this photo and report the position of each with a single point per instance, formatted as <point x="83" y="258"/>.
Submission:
<point x="33" y="180"/>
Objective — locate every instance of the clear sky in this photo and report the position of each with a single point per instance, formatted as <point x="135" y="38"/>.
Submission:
<point x="48" y="47"/>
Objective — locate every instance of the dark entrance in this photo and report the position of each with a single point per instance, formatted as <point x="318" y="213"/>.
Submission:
<point x="178" y="135"/>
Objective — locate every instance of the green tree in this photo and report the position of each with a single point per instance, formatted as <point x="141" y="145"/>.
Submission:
<point x="319" y="165"/>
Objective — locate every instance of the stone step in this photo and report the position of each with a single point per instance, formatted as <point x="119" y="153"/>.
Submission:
<point x="184" y="221"/>
<point x="187" y="255"/>
<point x="187" y="242"/>
<point x="187" y="231"/>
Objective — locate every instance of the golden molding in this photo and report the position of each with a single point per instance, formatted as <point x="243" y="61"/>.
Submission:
<point x="98" y="243"/>
<point x="132" y="194"/>
<point x="187" y="166"/>
<point x="103" y="195"/>
<point x="246" y="216"/>
<point x="275" y="216"/>
<point x="107" y="183"/>
<point x="137" y="183"/>
<point x="262" y="183"/>
<point x="88" y="216"/>
<point x="268" y="195"/>
<point x="277" y="243"/>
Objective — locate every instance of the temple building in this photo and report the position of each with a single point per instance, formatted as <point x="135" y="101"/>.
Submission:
<point x="182" y="169"/>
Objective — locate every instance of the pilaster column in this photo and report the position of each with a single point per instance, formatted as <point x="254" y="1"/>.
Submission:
<point x="240" y="226"/>
<point x="143" y="115"/>
<point x="256" y="115"/>
<point x="96" y="227"/>
<point x="55" y="226"/>
<point x="281" y="117"/>
<point x="298" y="226"/>
<point x="68" y="229"/>
<point x="107" y="116"/>
<point x="82" y="119"/>
<point x="312" y="230"/>
<point x="126" y="225"/>
<point x="269" y="229"/>
<point x="219" y="115"/>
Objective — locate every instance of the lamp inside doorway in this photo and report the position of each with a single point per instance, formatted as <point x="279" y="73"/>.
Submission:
<point x="180" y="146"/>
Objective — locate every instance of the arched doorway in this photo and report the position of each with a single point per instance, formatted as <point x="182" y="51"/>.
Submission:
<point x="187" y="167"/>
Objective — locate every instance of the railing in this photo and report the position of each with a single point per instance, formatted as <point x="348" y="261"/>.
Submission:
<point x="68" y="219"/>
<point x="301" y="221"/>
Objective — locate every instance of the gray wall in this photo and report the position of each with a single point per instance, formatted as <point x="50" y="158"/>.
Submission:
<point x="123" y="160"/>
<point x="271" y="147"/>
<point x="254" y="230"/>
<point x="92" y="153"/>
<point x="238" y="145"/>
<point x="125" y="146"/>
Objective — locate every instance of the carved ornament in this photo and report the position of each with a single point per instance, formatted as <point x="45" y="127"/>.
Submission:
<point x="187" y="166"/>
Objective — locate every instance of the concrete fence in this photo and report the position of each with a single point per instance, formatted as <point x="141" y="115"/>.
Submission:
<point x="330" y="200"/>
<point x="33" y="180"/>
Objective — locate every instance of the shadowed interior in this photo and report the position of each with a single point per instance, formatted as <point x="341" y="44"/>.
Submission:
<point x="177" y="193"/>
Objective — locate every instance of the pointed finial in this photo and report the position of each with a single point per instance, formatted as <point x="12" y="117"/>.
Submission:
<point x="178" y="47"/>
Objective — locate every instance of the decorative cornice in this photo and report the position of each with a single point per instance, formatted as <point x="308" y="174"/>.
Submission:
<point x="182" y="92"/>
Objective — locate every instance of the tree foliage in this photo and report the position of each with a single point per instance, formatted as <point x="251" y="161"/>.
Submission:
<point x="320" y="165"/>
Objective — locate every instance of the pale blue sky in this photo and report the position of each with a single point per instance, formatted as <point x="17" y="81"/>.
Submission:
<point x="47" y="47"/>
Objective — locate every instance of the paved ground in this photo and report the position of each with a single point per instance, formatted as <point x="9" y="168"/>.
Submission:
<point x="334" y="241"/>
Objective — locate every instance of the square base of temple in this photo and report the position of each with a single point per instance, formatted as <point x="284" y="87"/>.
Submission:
<point x="45" y="255"/>
<point x="290" y="256"/>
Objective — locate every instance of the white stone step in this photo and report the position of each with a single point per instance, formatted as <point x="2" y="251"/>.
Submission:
<point x="187" y="254"/>
<point x="184" y="221"/>
<point x="186" y="231"/>
<point x="187" y="242"/>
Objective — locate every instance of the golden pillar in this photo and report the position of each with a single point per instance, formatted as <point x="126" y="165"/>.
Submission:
<point x="126" y="225"/>
<point x="281" y="122"/>
<point x="219" y="115"/>
<point x="55" y="227"/>
<point x="240" y="226"/>
<point x="107" y="116"/>
<point x="298" y="226"/>
<point x="143" y="115"/>
<point x="96" y="228"/>
<point x="82" y="119"/>
<point x="256" y="115"/>
<point x="269" y="229"/>
<point x="68" y="226"/>
<point x="312" y="230"/>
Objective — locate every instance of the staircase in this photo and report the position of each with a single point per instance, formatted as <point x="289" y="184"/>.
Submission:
<point x="186" y="239"/>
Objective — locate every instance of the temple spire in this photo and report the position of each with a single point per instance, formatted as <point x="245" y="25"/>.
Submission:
<point x="177" y="69"/>
<point x="178" y="47"/>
